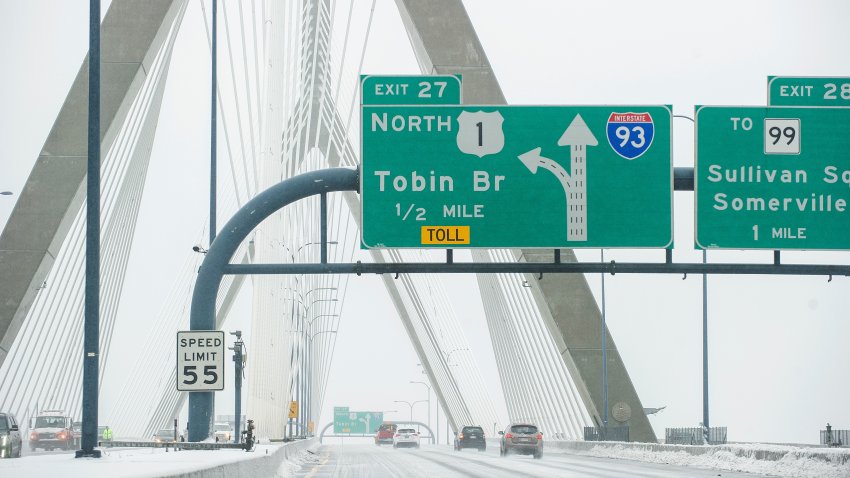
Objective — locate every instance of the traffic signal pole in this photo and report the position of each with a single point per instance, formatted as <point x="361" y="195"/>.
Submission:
<point x="238" y="363"/>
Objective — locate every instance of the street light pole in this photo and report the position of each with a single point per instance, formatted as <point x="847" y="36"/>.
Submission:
<point x="429" y="408"/>
<point x="238" y="363"/>
<point x="304" y="386"/>
<point x="312" y="398"/>
<point x="604" y="353"/>
<point x="410" y="404"/>
<point x="706" y="426"/>
<point x="311" y="365"/>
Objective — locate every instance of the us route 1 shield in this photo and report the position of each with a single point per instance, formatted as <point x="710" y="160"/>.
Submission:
<point x="772" y="178"/>
<point x="516" y="176"/>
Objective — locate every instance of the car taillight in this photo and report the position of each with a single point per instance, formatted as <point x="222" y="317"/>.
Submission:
<point x="539" y="436"/>
<point x="60" y="435"/>
<point x="509" y="435"/>
<point x="33" y="436"/>
<point x="460" y="436"/>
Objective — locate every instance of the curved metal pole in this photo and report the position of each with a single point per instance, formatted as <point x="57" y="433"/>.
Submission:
<point x="221" y="251"/>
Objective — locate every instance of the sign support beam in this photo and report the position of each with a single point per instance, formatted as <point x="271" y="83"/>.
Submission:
<point x="612" y="268"/>
<point x="217" y="263"/>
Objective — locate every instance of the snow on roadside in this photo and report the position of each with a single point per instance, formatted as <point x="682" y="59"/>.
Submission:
<point x="303" y="459"/>
<point x="128" y="462"/>
<point x="796" y="462"/>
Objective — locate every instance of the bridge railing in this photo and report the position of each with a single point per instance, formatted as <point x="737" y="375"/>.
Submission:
<point x="606" y="433"/>
<point x="694" y="436"/>
<point x="835" y="437"/>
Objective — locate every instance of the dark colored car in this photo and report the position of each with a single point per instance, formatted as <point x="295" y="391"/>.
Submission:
<point x="164" y="435"/>
<point x="385" y="433"/>
<point x="470" y="437"/>
<point x="521" y="438"/>
<point x="10" y="437"/>
<point x="77" y="430"/>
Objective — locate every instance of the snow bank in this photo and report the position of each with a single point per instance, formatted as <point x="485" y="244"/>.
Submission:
<point x="777" y="460"/>
<point x="268" y="460"/>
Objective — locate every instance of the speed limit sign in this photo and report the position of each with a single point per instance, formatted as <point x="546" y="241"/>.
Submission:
<point x="200" y="360"/>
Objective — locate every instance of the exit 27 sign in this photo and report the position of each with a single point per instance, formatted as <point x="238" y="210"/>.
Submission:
<point x="516" y="176"/>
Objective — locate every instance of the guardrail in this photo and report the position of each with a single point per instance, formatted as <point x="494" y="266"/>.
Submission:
<point x="606" y="433"/>
<point x="180" y="445"/>
<point x="695" y="436"/>
<point x="835" y="437"/>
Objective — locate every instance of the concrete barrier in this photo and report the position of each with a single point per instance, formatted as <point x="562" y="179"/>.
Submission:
<point x="258" y="465"/>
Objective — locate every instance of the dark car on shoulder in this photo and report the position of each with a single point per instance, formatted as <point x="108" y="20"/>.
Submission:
<point x="470" y="437"/>
<point x="521" y="438"/>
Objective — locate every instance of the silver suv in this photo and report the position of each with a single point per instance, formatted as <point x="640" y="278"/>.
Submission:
<point x="523" y="438"/>
<point x="10" y="437"/>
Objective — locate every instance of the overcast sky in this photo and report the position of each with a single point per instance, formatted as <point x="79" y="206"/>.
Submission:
<point x="777" y="344"/>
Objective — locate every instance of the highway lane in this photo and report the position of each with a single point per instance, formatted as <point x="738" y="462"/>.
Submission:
<point x="430" y="461"/>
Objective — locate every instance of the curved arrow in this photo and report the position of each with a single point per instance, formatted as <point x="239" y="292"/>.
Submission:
<point x="533" y="159"/>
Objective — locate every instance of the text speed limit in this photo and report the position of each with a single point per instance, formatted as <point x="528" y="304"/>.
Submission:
<point x="200" y="360"/>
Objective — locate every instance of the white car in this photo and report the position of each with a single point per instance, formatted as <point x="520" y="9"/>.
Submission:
<point x="406" y="437"/>
<point x="223" y="432"/>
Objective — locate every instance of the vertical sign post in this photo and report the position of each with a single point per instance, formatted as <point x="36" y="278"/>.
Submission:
<point x="91" y="340"/>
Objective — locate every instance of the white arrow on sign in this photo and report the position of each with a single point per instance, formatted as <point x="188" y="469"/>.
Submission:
<point x="533" y="159"/>
<point x="578" y="137"/>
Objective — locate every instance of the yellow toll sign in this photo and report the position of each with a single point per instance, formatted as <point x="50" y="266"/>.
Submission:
<point x="445" y="235"/>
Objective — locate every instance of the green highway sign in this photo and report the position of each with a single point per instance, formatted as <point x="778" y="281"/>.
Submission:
<point x="772" y="178"/>
<point x="516" y="176"/>
<point x="362" y="423"/>
<point x="808" y="91"/>
<point x="410" y="90"/>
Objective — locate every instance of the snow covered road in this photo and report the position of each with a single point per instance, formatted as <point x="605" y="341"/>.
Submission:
<point x="369" y="461"/>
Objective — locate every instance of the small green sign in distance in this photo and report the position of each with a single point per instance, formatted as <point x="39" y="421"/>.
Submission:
<point x="808" y="91"/>
<point x="516" y="176"/>
<point x="772" y="178"/>
<point x="410" y="90"/>
<point x="360" y="423"/>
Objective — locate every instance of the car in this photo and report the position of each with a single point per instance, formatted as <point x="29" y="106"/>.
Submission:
<point x="406" y="437"/>
<point x="10" y="436"/>
<point x="521" y="438"/>
<point x="51" y="429"/>
<point x="470" y="437"/>
<point x="223" y="432"/>
<point x="164" y="435"/>
<point x="104" y="433"/>
<point x="385" y="433"/>
<point x="77" y="433"/>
